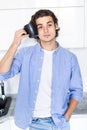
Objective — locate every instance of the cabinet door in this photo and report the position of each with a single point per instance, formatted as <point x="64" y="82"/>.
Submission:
<point x="10" y="4"/>
<point x="71" y="23"/>
<point x="5" y="125"/>
<point x="53" y="3"/>
<point x="85" y="23"/>
<point x="79" y="123"/>
<point x="11" y="21"/>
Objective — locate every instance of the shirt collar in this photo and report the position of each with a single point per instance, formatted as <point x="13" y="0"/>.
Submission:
<point x="56" y="50"/>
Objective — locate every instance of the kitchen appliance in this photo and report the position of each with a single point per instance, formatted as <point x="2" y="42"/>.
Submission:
<point x="31" y="29"/>
<point x="4" y="101"/>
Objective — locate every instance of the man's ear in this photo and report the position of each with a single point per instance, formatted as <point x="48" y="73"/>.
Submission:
<point x="57" y="28"/>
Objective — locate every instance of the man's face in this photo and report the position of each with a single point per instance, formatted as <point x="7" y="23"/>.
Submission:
<point x="46" y="28"/>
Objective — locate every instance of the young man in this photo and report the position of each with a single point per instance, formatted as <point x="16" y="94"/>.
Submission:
<point x="50" y="80"/>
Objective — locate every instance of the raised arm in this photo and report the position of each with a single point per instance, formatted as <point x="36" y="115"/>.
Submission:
<point x="6" y="61"/>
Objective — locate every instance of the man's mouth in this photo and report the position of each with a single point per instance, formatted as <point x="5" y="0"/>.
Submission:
<point x="46" y="35"/>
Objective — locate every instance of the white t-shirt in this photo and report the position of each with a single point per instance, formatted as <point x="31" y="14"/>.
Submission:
<point x="43" y="101"/>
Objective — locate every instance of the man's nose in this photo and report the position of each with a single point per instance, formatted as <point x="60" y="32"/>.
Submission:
<point x="45" y="29"/>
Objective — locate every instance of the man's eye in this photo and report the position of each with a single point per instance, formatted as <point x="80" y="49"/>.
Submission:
<point x="39" y="27"/>
<point x="49" y="25"/>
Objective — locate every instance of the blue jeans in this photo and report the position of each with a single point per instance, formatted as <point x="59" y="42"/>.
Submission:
<point x="47" y="124"/>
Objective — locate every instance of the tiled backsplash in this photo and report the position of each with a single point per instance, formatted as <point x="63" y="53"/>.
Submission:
<point x="11" y="85"/>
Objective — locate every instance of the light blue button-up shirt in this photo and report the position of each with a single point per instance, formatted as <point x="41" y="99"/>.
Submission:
<point x="66" y="82"/>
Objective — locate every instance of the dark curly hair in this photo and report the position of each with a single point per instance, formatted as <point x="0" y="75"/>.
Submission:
<point x="42" y="13"/>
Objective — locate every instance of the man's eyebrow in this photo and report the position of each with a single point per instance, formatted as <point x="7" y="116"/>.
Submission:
<point x="47" y="23"/>
<point x="50" y="22"/>
<point x="39" y="24"/>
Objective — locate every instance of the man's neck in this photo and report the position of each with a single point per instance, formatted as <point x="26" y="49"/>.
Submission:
<point x="49" y="46"/>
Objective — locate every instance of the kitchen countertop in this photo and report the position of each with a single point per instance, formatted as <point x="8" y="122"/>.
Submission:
<point x="81" y="109"/>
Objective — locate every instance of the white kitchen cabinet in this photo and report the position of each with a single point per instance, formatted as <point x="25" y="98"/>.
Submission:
<point x="10" y="4"/>
<point x="53" y="3"/>
<point x="71" y="23"/>
<point x="11" y="20"/>
<point x="85" y="23"/>
<point x="78" y="122"/>
<point x="72" y="30"/>
<point x="5" y="125"/>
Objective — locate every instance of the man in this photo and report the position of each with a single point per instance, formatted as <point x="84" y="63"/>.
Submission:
<point x="50" y="80"/>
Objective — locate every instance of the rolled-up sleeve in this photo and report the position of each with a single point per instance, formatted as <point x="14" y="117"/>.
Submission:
<point x="15" y="67"/>
<point x="76" y="86"/>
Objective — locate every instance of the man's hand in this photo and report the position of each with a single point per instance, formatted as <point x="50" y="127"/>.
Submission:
<point x="19" y="35"/>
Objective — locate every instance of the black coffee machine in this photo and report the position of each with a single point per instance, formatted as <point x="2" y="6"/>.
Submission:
<point x="4" y="101"/>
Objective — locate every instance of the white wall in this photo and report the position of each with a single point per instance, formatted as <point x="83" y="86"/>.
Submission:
<point x="72" y="21"/>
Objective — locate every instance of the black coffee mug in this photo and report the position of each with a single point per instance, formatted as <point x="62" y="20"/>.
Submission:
<point x="31" y="29"/>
